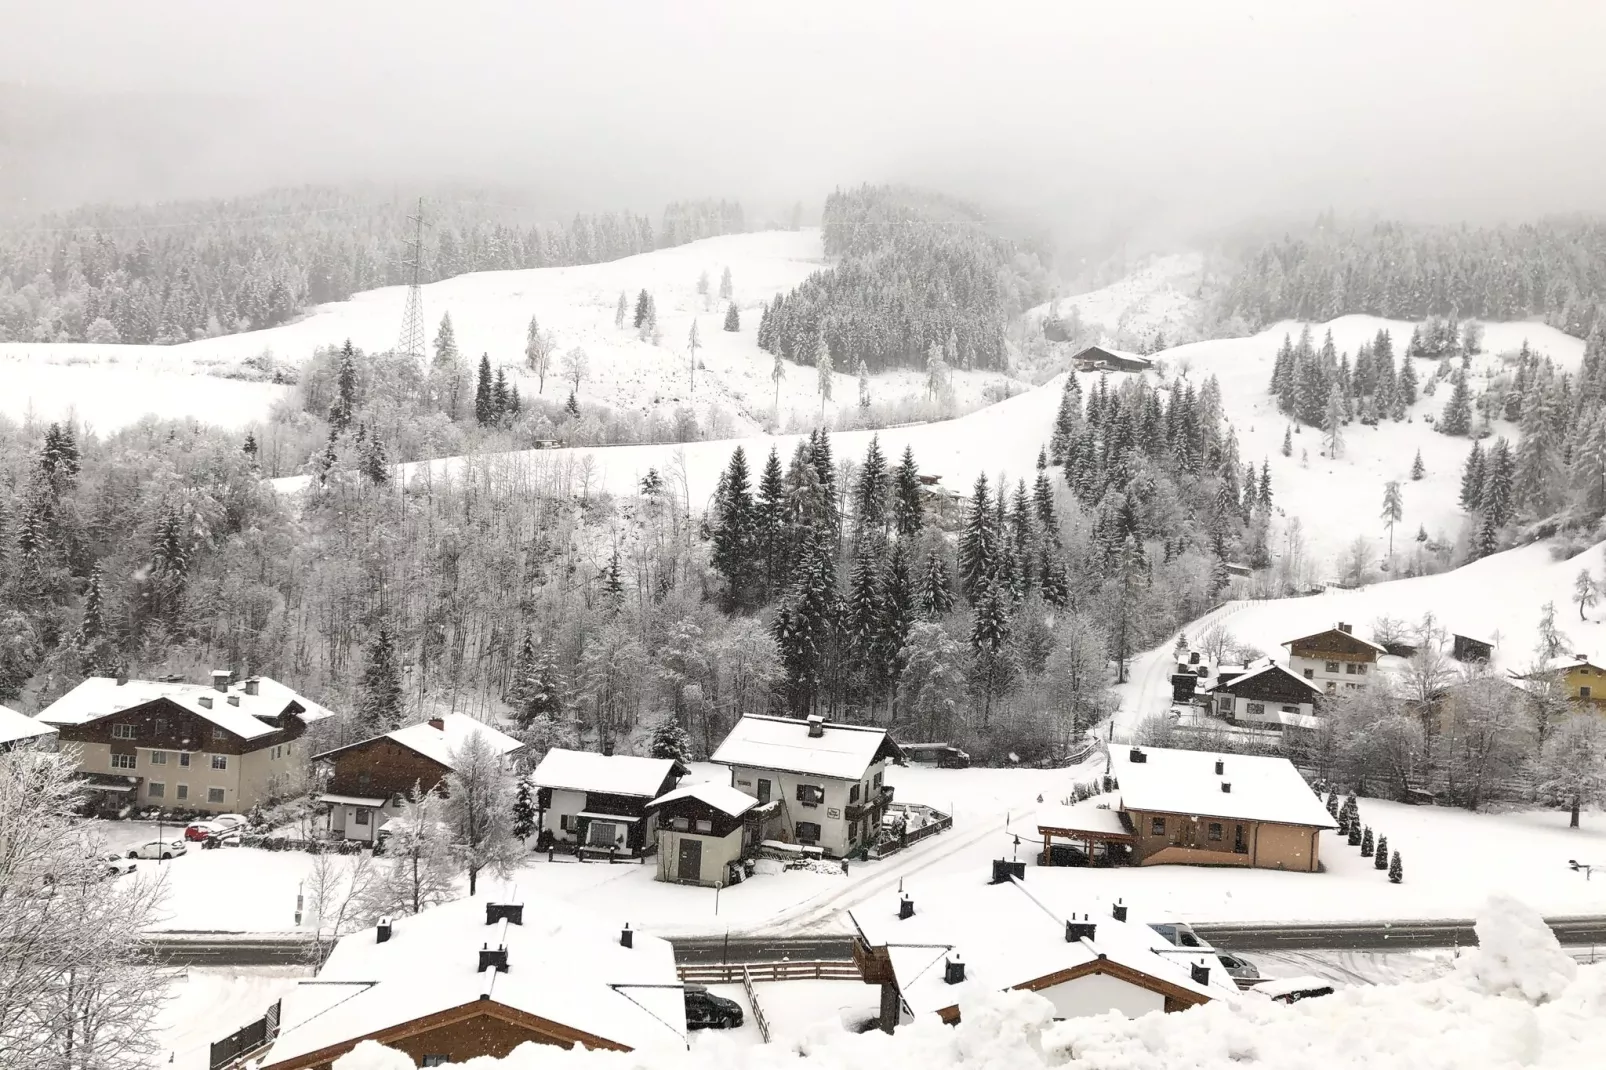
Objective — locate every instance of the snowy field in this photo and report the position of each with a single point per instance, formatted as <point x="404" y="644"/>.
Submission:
<point x="490" y="313"/>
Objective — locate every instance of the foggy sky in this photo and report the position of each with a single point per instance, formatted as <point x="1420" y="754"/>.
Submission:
<point x="1141" y="119"/>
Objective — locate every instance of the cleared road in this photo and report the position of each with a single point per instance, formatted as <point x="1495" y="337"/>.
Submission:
<point x="275" y="949"/>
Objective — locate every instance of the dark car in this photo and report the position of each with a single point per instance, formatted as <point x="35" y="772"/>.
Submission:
<point x="1239" y="969"/>
<point x="704" y="1010"/>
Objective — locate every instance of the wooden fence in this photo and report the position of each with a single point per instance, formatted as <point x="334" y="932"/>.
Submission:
<point x="718" y="973"/>
<point x="752" y="1001"/>
<point x="243" y="1042"/>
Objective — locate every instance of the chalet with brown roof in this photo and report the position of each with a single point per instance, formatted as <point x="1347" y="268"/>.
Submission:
<point x="220" y="747"/>
<point x="1269" y="696"/>
<point x="1335" y="659"/>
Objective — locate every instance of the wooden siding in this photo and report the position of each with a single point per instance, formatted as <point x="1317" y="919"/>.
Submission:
<point x="380" y="768"/>
<point x="1332" y="645"/>
<point x="162" y="724"/>
<point x="1274" y="685"/>
<point x="695" y="810"/>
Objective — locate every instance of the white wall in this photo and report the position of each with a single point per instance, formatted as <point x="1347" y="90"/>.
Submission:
<point x="1341" y="680"/>
<point x="783" y="786"/>
<point x="1097" y="993"/>
<point x="1239" y="707"/>
<point x="564" y="802"/>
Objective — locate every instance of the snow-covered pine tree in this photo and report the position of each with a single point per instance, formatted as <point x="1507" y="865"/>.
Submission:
<point x="870" y="495"/>
<point x="1367" y="843"/>
<point x="670" y="740"/>
<point x="1498" y="500"/>
<point x="523" y="811"/>
<point x="736" y="535"/>
<point x="484" y="394"/>
<point x="702" y="284"/>
<point x="1380" y="860"/>
<point x="1457" y="418"/>
<point x="1407" y="391"/>
<point x="641" y="309"/>
<point x="1418" y="469"/>
<point x="936" y="590"/>
<point x="620" y="309"/>
<point x="978" y="544"/>
<point x="908" y="511"/>
<point x="733" y="318"/>
<point x="1333" y="427"/>
<point x="1067" y="419"/>
<point x="1393" y="510"/>
<point x="379" y="691"/>
<point x="1472" y="480"/>
<point x="1265" y="484"/>
<point x="863" y="372"/>
<point x="1396" y="871"/>
<point x="572" y="406"/>
<point x="1288" y="441"/>
<point x="989" y="645"/>
<point x="822" y="372"/>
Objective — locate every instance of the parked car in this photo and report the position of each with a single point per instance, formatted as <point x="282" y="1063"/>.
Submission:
<point x="1181" y="934"/>
<point x="1239" y="969"/>
<point x="1294" y="989"/>
<point x="116" y="864"/>
<point x="228" y="822"/>
<point x="704" y="1010"/>
<point x="163" y="849"/>
<point x="201" y="830"/>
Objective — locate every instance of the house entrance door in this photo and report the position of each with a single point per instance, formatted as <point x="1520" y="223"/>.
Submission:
<point x="690" y="864"/>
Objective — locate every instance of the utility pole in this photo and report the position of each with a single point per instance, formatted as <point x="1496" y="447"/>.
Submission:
<point x="412" y="330"/>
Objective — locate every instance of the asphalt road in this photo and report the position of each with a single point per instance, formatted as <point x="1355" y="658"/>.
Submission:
<point x="274" y="949"/>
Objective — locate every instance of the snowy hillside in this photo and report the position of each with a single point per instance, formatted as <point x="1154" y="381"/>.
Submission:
<point x="1158" y="298"/>
<point x="490" y="314"/>
<point x="1336" y="500"/>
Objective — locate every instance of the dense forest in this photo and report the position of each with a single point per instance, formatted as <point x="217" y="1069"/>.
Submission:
<point x="194" y="269"/>
<point x="1554" y="269"/>
<point x="919" y="279"/>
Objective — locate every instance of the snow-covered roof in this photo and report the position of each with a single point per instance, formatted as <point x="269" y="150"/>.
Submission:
<point x="236" y="710"/>
<point x="1186" y="782"/>
<point x="1340" y="631"/>
<point x="722" y="797"/>
<point x="15" y="727"/>
<point x="1111" y="351"/>
<point x="609" y="774"/>
<point x="1564" y="662"/>
<point x="1261" y="671"/>
<point x="840" y="751"/>
<point x="438" y="744"/>
<point x="1097" y="815"/>
<point x="1011" y="934"/>
<point x="564" y="965"/>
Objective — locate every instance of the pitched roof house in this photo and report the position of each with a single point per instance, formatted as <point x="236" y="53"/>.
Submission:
<point x="18" y="728"/>
<point x="1104" y="358"/>
<point x="223" y="746"/>
<point x="1268" y="696"/>
<point x="369" y="780"/>
<point x="704" y="829"/>
<point x="932" y="947"/>
<point x="828" y="778"/>
<point x="478" y="977"/>
<point x="1578" y="677"/>
<point x="1333" y="659"/>
<point x="1199" y="808"/>
<point x="598" y="802"/>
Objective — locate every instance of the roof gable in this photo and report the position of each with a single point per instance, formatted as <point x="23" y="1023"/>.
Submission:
<point x="722" y="797"/>
<point x="16" y="727"/>
<point x="1337" y="640"/>
<point x="840" y="752"/>
<point x="246" y="710"/>
<point x="436" y="744"/>
<point x="1186" y="782"/>
<point x="1271" y="676"/>
<point x="608" y="774"/>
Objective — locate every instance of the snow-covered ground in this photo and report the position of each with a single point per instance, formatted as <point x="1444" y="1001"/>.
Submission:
<point x="1161" y="297"/>
<point x="112" y="385"/>
<point x="1499" y="597"/>
<point x="205" y="1004"/>
<point x="795" y="1011"/>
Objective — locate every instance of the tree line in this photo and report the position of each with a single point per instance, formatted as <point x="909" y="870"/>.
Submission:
<point x="172" y="273"/>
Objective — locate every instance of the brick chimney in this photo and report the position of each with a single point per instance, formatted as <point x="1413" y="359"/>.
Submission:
<point x="906" y="907"/>
<point x="251" y="685"/>
<point x="382" y="933"/>
<point x="816" y="726"/>
<point x="438" y="723"/>
<point x="221" y="679"/>
<point x="954" y="969"/>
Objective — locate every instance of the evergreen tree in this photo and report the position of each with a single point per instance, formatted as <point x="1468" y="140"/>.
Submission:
<point x="1457" y="418"/>
<point x="670" y="740"/>
<point x="379" y="691"/>
<point x="870" y="497"/>
<point x="613" y="587"/>
<point x="989" y="645"/>
<point x="374" y="463"/>
<point x="1393" y="509"/>
<point x="897" y="611"/>
<point x="1487" y="540"/>
<point x="522" y="683"/>
<point x="1288" y="441"/>
<point x="733" y="318"/>
<point x="1396" y="871"/>
<point x="249" y="446"/>
<point x="543" y="696"/>
<point x="936" y="591"/>
<point x="823" y="372"/>
<point x="1068" y="419"/>
<point x="978" y="544"/>
<point x="1406" y="390"/>
<point x="863" y="372"/>
<point x="1380" y="859"/>
<point x="1367" y="844"/>
<point x="769" y="526"/>
<point x="865" y="617"/>
<point x="484" y="394"/>
<point x="1498" y="500"/>
<point x="523" y="811"/>
<point x="445" y="342"/>
<point x="702" y="284"/>
<point x="1472" y="480"/>
<point x="1333" y="427"/>
<point x="642" y="300"/>
<point x="92" y="625"/>
<point x="804" y="625"/>
<point x="500" y="399"/>
<point x="1265" y="485"/>
<point x="908" y="511"/>
<point x="345" y="390"/>
<point x="736" y="535"/>
<point x="572" y="406"/>
<point x="1418" y="469"/>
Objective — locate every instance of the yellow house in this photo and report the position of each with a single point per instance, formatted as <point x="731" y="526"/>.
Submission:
<point x="1580" y="679"/>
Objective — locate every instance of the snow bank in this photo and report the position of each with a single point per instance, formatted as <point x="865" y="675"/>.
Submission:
<point x="1517" y="955"/>
<point x="1466" y="1020"/>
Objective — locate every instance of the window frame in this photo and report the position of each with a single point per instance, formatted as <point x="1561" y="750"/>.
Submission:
<point x="1156" y="826"/>
<point x="220" y="763"/>
<point x="216" y="795"/>
<point x="184" y="759"/>
<point x="1213" y="832"/>
<point x="362" y="816"/>
<point x="1331" y="666"/>
<point x="124" y="761"/>
<point x="182" y="792"/>
<point x="156" y="789"/>
<point x="158" y="757"/>
<point x="811" y="795"/>
<point x="124" y="730"/>
<point x="798" y="828"/>
<point x="704" y="826"/>
<point x="1255" y="709"/>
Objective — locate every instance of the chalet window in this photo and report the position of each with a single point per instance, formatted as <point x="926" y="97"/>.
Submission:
<point x="184" y="758"/>
<point x="1224" y="704"/>
<point x="1332" y="666"/>
<point x="1238" y="844"/>
<point x="1213" y="833"/>
<point x="1157" y="826"/>
<point x="1583" y="691"/>
<point x="853" y="794"/>
<point x="1349" y="667"/>
<point x="155" y="789"/>
<point x="680" y="824"/>
<point x="810" y="794"/>
<point x="1257" y="709"/>
<point x="807" y="832"/>
<point x="437" y="1060"/>
<point x="763" y="790"/>
<point x="1352" y="687"/>
<point x="183" y="792"/>
<point x="1310" y="674"/>
<point x="161" y="725"/>
<point x="158" y="757"/>
<point x="124" y="731"/>
<point x="219" y="733"/>
<point x="704" y="825"/>
<point x="125" y="761"/>
<point x="1361" y="669"/>
<point x="567" y="822"/>
<point x="362" y="815"/>
<point x="1290" y="709"/>
<point x="1332" y="689"/>
<point x="878" y="781"/>
<point x="604" y="834"/>
<point x="220" y="761"/>
<point x="214" y="795"/>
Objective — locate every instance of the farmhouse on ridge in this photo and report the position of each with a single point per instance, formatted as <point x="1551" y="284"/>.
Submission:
<point x="1333" y="657"/>
<point x="1103" y="358"/>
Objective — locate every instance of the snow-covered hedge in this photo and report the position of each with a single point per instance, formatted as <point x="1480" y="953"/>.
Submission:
<point x="1516" y="1001"/>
